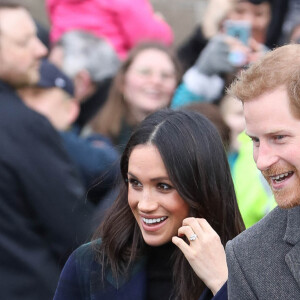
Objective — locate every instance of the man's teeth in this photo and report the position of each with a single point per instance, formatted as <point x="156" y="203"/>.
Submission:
<point x="281" y="176"/>
<point x="153" y="221"/>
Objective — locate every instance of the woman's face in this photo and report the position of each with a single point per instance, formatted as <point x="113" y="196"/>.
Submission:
<point x="150" y="81"/>
<point x="155" y="203"/>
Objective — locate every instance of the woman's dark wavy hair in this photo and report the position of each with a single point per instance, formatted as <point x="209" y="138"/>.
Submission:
<point x="196" y="162"/>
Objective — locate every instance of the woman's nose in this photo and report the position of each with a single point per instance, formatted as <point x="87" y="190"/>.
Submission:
<point x="147" y="202"/>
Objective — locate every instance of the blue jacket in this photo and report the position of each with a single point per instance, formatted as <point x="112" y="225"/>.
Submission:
<point x="81" y="279"/>
<point x="95" y="158"/>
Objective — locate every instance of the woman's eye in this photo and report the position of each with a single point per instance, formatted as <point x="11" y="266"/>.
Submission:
<point x="144" y="71"/>
<point x="134" y="183"/>
<point x="165" y="75"/>
<point x="164" y="186"/>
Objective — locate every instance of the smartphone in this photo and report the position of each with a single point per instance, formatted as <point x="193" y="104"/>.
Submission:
<point x="238" y="29"/>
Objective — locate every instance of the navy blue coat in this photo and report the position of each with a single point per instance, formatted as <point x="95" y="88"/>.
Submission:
<point x="43" y="214"/>
<point x="81" y="280"/>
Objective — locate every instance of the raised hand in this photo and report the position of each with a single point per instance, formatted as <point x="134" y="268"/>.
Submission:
<point x="204" y="252"/>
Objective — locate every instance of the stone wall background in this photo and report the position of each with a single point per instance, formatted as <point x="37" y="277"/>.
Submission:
<point x="182" y="15"/>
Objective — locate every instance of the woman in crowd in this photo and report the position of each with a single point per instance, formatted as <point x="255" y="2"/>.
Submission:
<point x="145" y="83"/>
<point x="164" y="236"/>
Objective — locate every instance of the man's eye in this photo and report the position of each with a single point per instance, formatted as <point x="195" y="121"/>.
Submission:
<point x="279" y="137"/>
<point x="255" y="140"/>
<point x="24" y="42"/>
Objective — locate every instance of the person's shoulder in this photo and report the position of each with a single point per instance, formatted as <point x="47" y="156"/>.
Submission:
<point x="87" y="251"/>
<point x="85" y="258"/>
<point x="12" y="106"/>
<point x="267" y="229"/>
<point x="15" y="112"/>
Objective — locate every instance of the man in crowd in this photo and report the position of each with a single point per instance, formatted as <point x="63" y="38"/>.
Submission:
<point x="53" y="96"/>
<point x="263" y="261"/>
<point x="43" y="215"/>
<point x="91" y="62"/>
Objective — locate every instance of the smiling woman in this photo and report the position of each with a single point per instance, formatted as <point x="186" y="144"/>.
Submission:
<point x="163" y="237"/>
<point x="145" y="83"/>
<point x="156" y="205"/>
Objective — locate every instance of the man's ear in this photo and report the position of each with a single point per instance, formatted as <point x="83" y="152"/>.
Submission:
<point x="84" y="86"/>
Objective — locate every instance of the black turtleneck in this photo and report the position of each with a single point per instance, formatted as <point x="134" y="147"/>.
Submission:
<point x="159" y="271"/>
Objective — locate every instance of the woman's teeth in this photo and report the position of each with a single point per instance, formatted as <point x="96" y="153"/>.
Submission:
<point x="154" y="221"/>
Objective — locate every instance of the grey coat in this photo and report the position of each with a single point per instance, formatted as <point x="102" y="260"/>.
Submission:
<point x="264" y="261"/>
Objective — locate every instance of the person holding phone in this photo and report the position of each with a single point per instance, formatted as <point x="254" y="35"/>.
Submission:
<point x="164" y="236"/>
<point x="239" y="42"/>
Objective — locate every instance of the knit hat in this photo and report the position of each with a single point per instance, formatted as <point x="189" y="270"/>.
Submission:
<point x="51" y="76"/>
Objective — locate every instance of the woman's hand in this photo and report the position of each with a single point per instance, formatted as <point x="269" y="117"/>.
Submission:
<point x="205" y="253"/>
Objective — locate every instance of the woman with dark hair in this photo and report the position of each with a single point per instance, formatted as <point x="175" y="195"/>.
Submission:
<point x="145" y="82"/>
<point x="176" y="191"/>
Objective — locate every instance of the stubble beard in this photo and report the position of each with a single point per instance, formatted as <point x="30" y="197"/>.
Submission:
<point x="289" y="196"/>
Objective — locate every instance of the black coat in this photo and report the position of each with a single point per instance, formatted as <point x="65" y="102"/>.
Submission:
<point x="43" y="215"/>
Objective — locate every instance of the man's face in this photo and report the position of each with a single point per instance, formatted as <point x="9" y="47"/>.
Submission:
<point x="275" y="132"/>
<point x="20" y="49"/>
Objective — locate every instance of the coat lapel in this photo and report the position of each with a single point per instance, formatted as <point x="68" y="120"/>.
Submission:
<point x="133" y="287"/>
<point x="292" y="237"/>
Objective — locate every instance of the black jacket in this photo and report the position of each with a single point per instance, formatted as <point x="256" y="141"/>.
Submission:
<point x="43" y="215"/>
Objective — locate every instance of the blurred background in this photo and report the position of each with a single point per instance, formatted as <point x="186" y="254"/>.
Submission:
<point x="189" y="12"/>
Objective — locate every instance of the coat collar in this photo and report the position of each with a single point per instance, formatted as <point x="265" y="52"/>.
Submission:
<point x="292" y="237"/>
<point x="131" y="287"/>
<point x="5" y="87"/>
<point x="292" y="233"/>
<point x="136" y="268"/>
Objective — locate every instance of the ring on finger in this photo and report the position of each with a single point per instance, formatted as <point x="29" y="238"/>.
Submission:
<point x="193" y="237"/>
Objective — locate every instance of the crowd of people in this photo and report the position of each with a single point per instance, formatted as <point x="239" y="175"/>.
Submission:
<point x="134" y="169"/>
